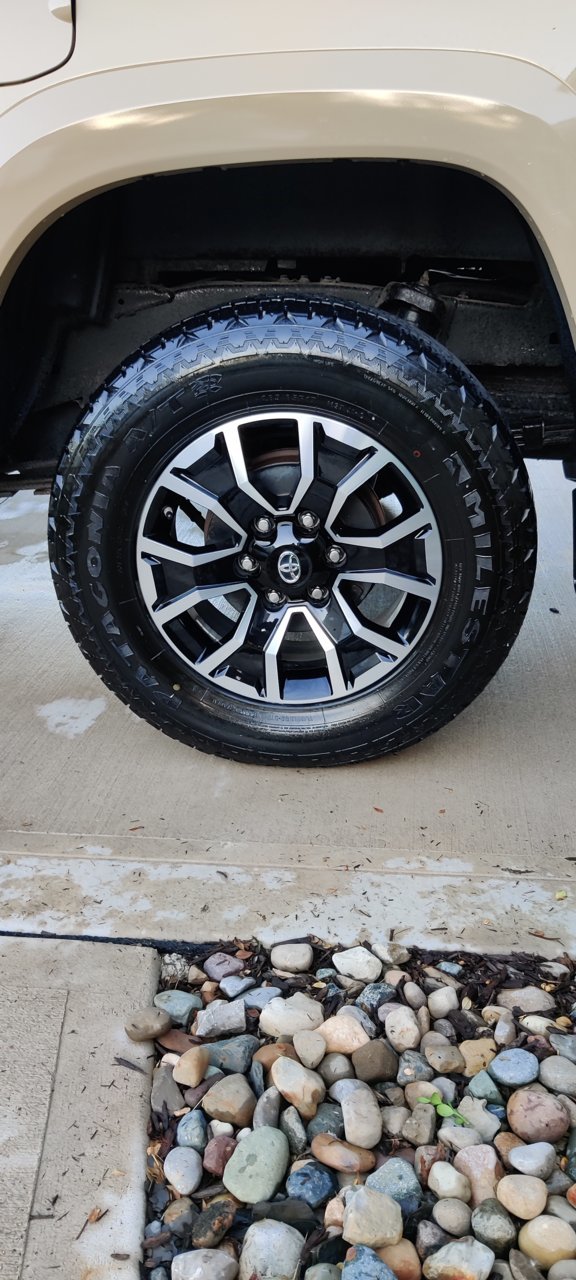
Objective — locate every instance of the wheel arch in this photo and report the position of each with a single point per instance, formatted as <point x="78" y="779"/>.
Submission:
<point x="480" y="116"/>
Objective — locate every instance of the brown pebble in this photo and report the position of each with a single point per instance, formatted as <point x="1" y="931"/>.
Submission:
<point x="209" y="991"/>
<point x="537" y="1116"/>
<point x="190" y="1067"/>
<point x="402" y="1260"/>
<point x="230" y="1100"/>
<point x="375" y="1061"/>
<point x="270" y="1052"/>
<point x="176" y="1041"/>
<point x="477" y="1054"/>
<point x="344" y="1156"/>
<point x="196" y="976"/>
<point x="505" y="1143"/>
<point x="217" y="1154"/>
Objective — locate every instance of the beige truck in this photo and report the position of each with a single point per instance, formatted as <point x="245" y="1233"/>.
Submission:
<point x="288" y="293"/>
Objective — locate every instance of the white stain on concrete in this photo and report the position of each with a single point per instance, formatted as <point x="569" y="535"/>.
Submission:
<point x="22" y="577"/>
<point x="233" y="914"/>
<point x="34" y="550"/>
<point x="23" y="505"/>
<point x="277" y="878"/>
<point x="71" y="717"/>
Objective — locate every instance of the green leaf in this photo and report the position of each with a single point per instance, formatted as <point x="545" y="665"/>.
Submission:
<point x="444" y="1109"/>
<point x="435" y="1098"/>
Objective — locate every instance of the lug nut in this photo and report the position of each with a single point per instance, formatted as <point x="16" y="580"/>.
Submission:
<point x="318" y="594"/>
<point x="274" y="597"/>
<point x="248" y="564"/>
<point x="308" y="520"/>
<point x="336" y="555"/>
<point x="264" y="525"/>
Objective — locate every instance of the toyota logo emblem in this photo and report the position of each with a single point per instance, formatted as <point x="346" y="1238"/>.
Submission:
<point x="289" y="566"/>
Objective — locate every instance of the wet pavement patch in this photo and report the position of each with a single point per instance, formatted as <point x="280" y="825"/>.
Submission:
<point x="366" y="1113"/>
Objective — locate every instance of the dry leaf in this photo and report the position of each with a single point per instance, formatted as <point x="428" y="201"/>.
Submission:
<point x="93" y="1216"/>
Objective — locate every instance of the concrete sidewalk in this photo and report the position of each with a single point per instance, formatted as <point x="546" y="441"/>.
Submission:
<point x="110" y="829"/>
<point x="72" y="1121"/>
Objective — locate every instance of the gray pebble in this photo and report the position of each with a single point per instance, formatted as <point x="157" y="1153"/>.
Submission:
<point x="267" y="1109"/>
<point x="558" y="1183"/>
<point x="563" y="1270"/>
<point x="413" y="1066"/>
<point x="559" y="1207"/>
<point x="445" y="1028"/>
<point x="564" y="1045"/>
<point x="234" y="1055"/>
<point x="235" y="986"/>
<point x="354" y="1011"/>
<point x="453" y="1216"/>
<point x="559" y="1074"/>
<point x="179" y="1004"/>
<point x="291" y="1124"/>
<point x="536" y="1159"/>
<point x="192" y="1131"/>
<point x="258" y="997"/>
<point x="493" y="1226"/>
<point x="165" y="1091"/>
<point x="514" y="1068"/>
<point x="483" y="1086"/>
<point x="323" y="1271"/>
<point x="328" y="1119"/>
<point x="446" y="1087"/>
<point x="373" y="996"/>
<point x="256" y="1078"/>
<point x="334" y="1067"/>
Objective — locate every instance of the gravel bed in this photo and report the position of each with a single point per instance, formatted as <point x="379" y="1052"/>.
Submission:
<point x="370" y="1113"/>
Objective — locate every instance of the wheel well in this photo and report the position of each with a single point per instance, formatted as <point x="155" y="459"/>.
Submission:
<point x="125" y="264"/>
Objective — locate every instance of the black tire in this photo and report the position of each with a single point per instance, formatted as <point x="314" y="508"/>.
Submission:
<point x="365" y="368"/>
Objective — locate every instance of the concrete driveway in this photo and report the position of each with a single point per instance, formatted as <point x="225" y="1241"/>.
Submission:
<point x="108" y="829"/>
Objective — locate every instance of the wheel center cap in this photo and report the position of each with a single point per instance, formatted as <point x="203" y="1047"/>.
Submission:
<point x="289" y="567"/>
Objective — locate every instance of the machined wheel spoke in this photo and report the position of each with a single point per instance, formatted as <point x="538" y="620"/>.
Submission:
<point x="407" y="527"/>
<point x="238" y="464"/>
<point x="359" y="627"/>
<point x="235" y="642"/>
<point x="307" y="456"/>
<point x="359" y="475"/>
<point x="171" y="609"/>
<point x="177" y="555"/>
<point x="307" y="452"/>
<point x="400" y="581"/>
<point x="272" y="654"/>
<point x="199" y="497"/>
